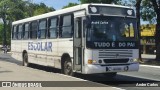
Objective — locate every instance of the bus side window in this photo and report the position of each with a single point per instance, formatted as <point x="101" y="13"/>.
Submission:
<point x="42" y="29"/>
<point x="52" y="28"/>
<point x="14" y="32"/>
<point x="33" y="30"/>
<point x="26" y="31"/>
<point x="66" y="27"/>
<point x="19" y="32"/>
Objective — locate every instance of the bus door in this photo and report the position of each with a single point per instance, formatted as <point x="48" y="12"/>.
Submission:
<point x="78" y="44"/>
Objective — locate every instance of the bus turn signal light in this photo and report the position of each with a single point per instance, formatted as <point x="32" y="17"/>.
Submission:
<point x="90" y="61"/>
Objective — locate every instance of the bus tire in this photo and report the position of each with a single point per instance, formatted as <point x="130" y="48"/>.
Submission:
<point x="25" y="60"/>
<point x="67" y="67"/>
<point x="111" y="75"/>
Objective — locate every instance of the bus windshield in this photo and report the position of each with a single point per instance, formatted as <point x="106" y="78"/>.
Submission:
<point x="112" y="32"/>
<point x="111" y="29"/>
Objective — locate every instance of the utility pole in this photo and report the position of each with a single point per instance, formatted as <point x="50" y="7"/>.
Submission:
<point x="138" y="3"/>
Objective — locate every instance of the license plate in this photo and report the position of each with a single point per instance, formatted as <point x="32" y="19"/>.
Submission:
<point x="117" y="69"/>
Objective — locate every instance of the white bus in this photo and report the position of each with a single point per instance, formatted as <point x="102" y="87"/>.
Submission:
<point x="88" y="39"/>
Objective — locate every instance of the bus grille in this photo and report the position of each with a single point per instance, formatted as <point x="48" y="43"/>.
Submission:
<point x="115" y="54"/>
<point x="116" y="60"/>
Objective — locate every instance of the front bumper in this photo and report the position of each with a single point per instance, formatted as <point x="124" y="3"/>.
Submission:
<point x="90" y="69"/>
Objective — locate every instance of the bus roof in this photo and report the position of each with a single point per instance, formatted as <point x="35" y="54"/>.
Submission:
<point x="66" y="10"/>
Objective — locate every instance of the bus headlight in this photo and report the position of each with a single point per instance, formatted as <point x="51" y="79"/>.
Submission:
<point x="134" y="60"/>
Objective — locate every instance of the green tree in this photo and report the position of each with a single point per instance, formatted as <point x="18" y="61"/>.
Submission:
<point x="147" y="12"/>
<point x="1" y="31"/>
<point x="9" y="9"/>
<point x="33" y="9"/>
<point x="70" y="5"/>
<point x="12" y="10"/>
<point x="41" y="9"/>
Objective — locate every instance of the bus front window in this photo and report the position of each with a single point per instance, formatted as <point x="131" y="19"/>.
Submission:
<point x="112" y="29"/>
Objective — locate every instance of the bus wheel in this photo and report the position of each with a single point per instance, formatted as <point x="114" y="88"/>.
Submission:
<point x="111" y="75"/>
<point x="67" y="67"/>
<point x="25" y="60"/>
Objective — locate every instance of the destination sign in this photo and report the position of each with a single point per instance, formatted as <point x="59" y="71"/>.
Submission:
<point x="109" y="10"/>
<point x="112" y="45"/>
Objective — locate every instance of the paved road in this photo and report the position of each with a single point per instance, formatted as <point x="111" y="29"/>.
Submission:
<point x="12" y="70"/>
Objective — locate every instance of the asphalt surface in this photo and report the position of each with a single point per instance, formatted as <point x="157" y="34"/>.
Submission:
<point x="12" y="70"/>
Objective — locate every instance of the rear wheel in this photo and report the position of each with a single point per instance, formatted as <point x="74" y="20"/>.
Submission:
<point x="67" y="67"/>
<point x="25" y="60"/>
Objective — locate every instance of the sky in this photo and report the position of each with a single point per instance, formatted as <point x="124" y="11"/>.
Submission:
<point x="56" y="4"/>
